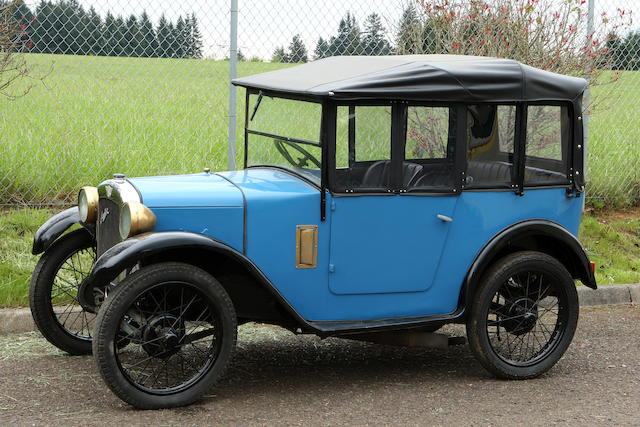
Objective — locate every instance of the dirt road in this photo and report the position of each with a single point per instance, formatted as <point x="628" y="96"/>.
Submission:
<point x="278" y="378"/>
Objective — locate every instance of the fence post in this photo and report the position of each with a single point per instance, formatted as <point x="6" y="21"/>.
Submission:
<point x="233" y="71"/>
<point x="587" y="93"/>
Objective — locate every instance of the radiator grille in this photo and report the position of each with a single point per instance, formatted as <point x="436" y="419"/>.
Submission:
<point x="107" y="232"/>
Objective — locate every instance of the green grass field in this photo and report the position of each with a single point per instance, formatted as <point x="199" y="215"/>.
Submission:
<point x="94" y="116"/>
<point x="611" y="238"/>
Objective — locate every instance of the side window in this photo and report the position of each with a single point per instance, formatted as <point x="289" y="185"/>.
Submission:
<point x="548" y="134"/>
<point x="490" y="140"/>
<point x="429" y="149"/>
<point x="363" y="148"/>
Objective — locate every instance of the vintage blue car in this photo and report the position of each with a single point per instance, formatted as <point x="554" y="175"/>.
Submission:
<point x="381" y="198"/>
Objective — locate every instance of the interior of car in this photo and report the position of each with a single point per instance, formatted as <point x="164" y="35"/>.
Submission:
<point x="489" y="160"/>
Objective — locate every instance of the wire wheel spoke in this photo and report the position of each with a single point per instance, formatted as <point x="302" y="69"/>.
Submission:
<point x="64" y="293"/>
<point x="525" y="318"/>
<point x="170" y="335"/>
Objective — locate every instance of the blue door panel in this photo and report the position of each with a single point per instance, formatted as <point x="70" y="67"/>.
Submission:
<point x="386" y="244"/>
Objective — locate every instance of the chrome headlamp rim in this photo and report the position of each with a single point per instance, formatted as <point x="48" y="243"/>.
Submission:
<point x="88" y="204"/>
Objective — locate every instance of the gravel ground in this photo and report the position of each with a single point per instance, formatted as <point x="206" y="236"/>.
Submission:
<point x="280" y="378"/>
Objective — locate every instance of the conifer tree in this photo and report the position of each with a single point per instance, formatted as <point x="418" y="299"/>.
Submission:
<point x="322" y="49"/>
<point x="347" y="41"/>
<point x="297" y="50"/>
<point x="374" y="42"/>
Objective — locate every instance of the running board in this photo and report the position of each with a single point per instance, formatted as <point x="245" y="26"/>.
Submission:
<point x="409" y="339"/>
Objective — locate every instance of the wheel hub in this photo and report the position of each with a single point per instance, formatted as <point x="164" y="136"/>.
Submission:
<point x="162" y="336"/>
<point x="522" y="316"/>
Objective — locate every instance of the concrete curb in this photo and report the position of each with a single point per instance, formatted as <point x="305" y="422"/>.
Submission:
<point x="14" y="320"/>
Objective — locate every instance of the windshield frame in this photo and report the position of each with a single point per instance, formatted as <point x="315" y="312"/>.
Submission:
<point x="248" y="115"/>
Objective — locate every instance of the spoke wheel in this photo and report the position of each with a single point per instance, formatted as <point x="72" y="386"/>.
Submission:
<point x="524" y="315"/>
<point x="165" y="335"/>
<point x="53" y="293"/>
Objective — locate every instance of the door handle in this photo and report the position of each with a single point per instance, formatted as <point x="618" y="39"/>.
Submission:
<point x="444" y="218"/>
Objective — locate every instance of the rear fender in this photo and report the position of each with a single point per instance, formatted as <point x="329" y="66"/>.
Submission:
<point x="539" y="235"/>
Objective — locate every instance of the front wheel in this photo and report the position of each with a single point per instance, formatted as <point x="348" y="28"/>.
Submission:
<point x="524" y="315"/>
<point x="53" y="292"/>
<point x="164" y="336"/>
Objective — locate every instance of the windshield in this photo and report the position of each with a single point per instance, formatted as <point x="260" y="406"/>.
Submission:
<point x="284" y="133"/>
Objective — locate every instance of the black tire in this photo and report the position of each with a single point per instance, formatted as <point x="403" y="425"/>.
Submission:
<point x="149" y="310"/>
<point x="53" y="292"/>
<point x="507" y="329"/>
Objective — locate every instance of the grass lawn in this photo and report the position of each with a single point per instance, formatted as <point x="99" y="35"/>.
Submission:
<point x="612" y="239"/>
<point x="94" y="116"/>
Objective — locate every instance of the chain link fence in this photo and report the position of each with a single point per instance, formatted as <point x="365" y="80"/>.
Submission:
<point x="141" y="87"/>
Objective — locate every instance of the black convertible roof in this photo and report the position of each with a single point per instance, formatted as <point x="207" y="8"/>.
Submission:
<point x="419" y="77"/>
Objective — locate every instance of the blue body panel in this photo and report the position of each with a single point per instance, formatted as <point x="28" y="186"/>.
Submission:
<point x="201" y="203"/>
<point x="390" y="256"/>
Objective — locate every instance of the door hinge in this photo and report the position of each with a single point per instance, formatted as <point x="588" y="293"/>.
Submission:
<point x="333" y="205"/>
<point x="332" y="268"/>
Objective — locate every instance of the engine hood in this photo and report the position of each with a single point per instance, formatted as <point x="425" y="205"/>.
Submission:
<point x="198" y="190"/>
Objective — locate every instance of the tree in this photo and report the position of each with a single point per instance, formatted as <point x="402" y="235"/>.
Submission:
<point x="280" y="55"/>
<point x="374" y="42"/>
<point x="546" y="34"/>
<point x="409" y="39"/>
<point x="164" y="37"/>
<point x="43" y="28"/>
<point x="130" y="36"/>
<point x="13" y="68"/>
<point x="121" y="45"/>
<point x="180" y="43"/>
<point x="322" y="49"/>
<point x="24" y="19"/>
<point x="111" y="31"/>
<point x="148" y="44"/>
<point x="624" y="53"/>
<point x="94" y="29"/>
<point x="347" y="41"/>
<point x="297" y="50"/>
<point x="196" y="38"/>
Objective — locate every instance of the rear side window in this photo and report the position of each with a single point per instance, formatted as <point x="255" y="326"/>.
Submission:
<point x="490" y="142"/>
<point x="429" y="148"/>
<point x="548" y="134"/>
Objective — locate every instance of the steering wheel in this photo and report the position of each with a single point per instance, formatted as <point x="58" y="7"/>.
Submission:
<point x="302" y="161"/>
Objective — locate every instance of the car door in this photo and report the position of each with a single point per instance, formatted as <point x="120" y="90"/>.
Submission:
<point x="387" y="244"/>
<point x="394" y="203"/>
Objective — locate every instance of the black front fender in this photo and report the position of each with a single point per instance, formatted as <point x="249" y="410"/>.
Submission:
<point x="126" y="254"/>
<point x="54" y="227"/>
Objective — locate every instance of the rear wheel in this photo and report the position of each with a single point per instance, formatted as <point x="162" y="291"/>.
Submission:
<point x="524" y="315"/>
<point x="165" y="335"/>
<point x="53" y="292"/>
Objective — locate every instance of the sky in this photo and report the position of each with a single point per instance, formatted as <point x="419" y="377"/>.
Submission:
<point x="264" y="25"/>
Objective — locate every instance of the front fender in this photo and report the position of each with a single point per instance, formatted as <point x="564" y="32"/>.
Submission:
<point x="126" y="254"/>
<point x="54" y="227"/>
